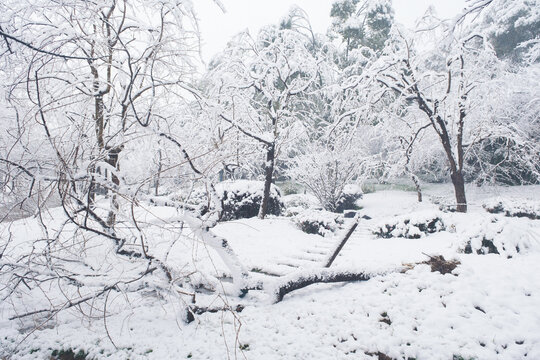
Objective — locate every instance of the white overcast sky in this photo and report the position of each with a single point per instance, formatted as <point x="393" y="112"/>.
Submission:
<point x="218" y="27"/>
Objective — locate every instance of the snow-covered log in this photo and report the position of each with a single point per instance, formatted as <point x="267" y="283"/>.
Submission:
<point x="301" y="279"/>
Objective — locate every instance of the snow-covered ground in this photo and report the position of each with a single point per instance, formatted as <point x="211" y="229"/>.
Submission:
<point x="488" y="308"/>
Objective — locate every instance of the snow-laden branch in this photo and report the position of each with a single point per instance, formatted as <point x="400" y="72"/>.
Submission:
<point x="42" y="51"/>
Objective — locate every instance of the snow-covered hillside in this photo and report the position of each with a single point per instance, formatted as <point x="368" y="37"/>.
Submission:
<point x="487" y="308"/>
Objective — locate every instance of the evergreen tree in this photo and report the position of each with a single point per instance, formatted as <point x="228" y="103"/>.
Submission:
<point x="362" y="23"/>
<point x="512" y="26"/>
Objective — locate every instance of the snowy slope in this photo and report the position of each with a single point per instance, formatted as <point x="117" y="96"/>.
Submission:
<point x="488" y="311"/>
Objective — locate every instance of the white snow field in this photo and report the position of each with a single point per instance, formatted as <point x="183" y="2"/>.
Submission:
<point x="487" y="308"/>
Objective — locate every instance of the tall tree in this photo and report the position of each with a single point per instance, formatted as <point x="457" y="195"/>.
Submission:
<point x="100" y="69"/>
<point x="444" y="91"/>
<point x="260" y="86"/>
<point x="512" y="26"/>
<point x="91" y="85"/>
<point x="365" y="23"/>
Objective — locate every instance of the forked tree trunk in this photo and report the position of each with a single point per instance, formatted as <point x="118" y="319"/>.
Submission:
<point x="459" y="188"/>
<point x="440" y="126"/>
<point x="269" y="174"/>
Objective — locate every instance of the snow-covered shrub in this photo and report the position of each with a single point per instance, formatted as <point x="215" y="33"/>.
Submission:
<point x="529" y="210"/>
<point x="240" y="199"/>
<point x="304" y="201"/>
<point x="368" y="188"/>
<point x="412" y="226"/>
<point x="446" y="203"/>
<point x="289" y="188"/>
<point x="68" y="354"/>
<point x="349" y="197"/>
<point x="296" y="203"/>
<point x="319" y="222"/>
<point x="481" y="246"/>
<point x="497" y="235"/>
<point x="326" y="172"/>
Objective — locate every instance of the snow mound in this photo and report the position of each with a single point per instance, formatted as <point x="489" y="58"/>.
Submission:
<point x="321" y="222"/>
<point x="297" y="202"/>
<point x="498" y="235"/>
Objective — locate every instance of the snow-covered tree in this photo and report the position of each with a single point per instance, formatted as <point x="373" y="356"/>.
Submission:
<point x="260" y="87"/>
<point x="92" y="80"/>
<point x="509" y="151"/>
<point x="445" y="87"/>
<point x="326" y="171"/>
<point x="512" y="26"/>
<point x="451" y="76"/>
<point x="94" y="86"/>
<point x="362" y="23"/>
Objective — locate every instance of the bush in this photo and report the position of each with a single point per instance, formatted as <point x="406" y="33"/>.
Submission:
<point x="347" y="201"/>
<point x="240" y="199"/>
<point x="368" y="188"/>
<point x="499" y="235"/>
<point x="411" y="227"/>
<point x="296" y="203"/>
<point x="326" y="173"/>
<point x="319" y="222"/>
<point x="486" y="246"/>
<point x="529" y="210"/>
<point x="289" y="188"/>
<point x="68" y="354"/>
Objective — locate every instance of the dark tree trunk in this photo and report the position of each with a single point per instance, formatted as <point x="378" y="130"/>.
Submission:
<point x="269" y="174"/>
<point x="418" y="187"/>
<point x="94" y="188"/>
<point x="112" y="159"/>
<point x="158" y="175"/>
<point x="317" y="278"/>
<point x="459" y="189"/>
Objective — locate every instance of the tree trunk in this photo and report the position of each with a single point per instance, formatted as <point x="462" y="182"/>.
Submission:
<point x="112" y="159"/>
<point x="99" y="128"/>
<point x="459" y="189"/>
<point x="158" y="175"/>
<point x="269" y="174"/>
<point x="418" y="187"/>
<point x="324" y="276"/>
<point x="92" y="188"/>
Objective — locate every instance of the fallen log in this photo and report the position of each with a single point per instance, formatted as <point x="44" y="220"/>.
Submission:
<point x="319" y="276"/>
<point x="342" y="243"/>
